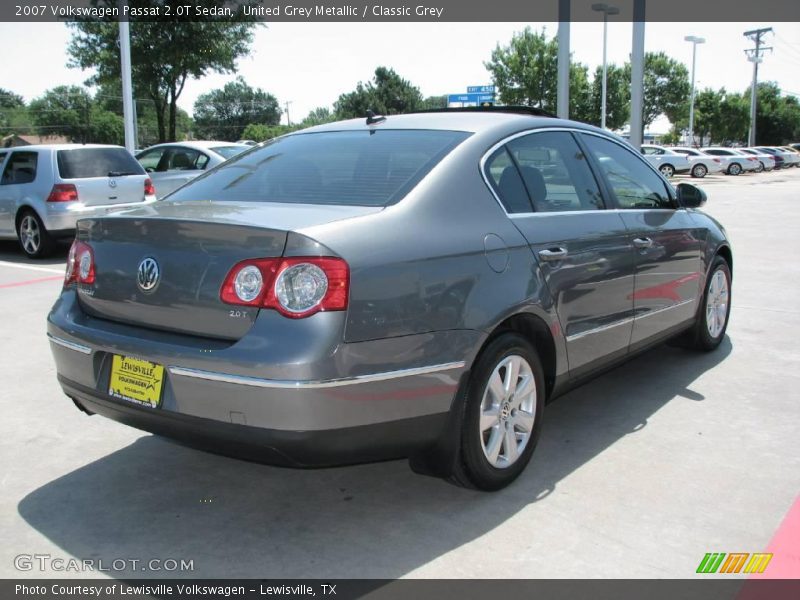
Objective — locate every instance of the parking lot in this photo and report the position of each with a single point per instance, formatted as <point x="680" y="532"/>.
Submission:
<point x="639" y="473"/>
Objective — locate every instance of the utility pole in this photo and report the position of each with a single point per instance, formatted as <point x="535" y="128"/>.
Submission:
<point x="754" y="56"/>
<point x="288" y="121"/>
<point x="562" y="82"/>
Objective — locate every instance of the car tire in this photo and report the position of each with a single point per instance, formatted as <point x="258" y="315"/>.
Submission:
<point x="667" y="170"/>
<point x="760" y="168"/>
<point x="699" y="171"/>
<point x="500" y="426"/>
<point x="34" y="239"/>
<point x="714" y="312"/>
<point x="734" y="169"/>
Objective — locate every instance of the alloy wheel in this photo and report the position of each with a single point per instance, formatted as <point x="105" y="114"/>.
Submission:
<point x="508" y="410"/>
<point x="30" y="236"/>
<point x="717" y="304"/>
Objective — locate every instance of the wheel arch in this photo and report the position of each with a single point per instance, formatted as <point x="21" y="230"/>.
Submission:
<point x="21" y="211"/>
<point x="725" y="252"/>
<point x="539" y="334"/>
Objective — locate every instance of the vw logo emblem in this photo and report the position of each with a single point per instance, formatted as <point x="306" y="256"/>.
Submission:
<point x="112" y="183"/>
<point x="148" y="275"/>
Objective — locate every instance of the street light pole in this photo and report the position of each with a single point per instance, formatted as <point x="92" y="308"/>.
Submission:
<point x="606" y="9"/>
<point x="694" y="40"/>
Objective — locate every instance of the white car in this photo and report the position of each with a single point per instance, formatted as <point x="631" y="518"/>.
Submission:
<point x="734" y="160"/>
<point x="766" y="159"/>
<point x="45" y="189"/>
<point x="701" y="163"/>
<point x="666" y="160"/>
<point x="175" y="163"/>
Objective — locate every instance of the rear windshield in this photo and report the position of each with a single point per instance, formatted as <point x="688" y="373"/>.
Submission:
<point x="230" y="151"/>
<point x="367" y="168"/>
<point x="83" y="163"/>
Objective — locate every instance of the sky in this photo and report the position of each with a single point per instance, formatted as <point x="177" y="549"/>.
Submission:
<point x="311" y="64"/>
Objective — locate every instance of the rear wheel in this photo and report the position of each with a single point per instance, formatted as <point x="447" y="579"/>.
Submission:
<point x="713" y="316"/>
<point x="34" y="239"/>
<point x="502" y="418"/>
<point x="760" y="167"/>
<point x="699" y="171"/>
<point x="667" y="170"/>
<point x="734" y="169"/>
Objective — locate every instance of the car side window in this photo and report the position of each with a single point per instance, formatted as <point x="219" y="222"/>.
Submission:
<point x="507" y="183"/>
<point x="633" y="181"/>
<point x="201" y="162"/>
<point x="150" y="159"/>
<point x="183" y="159"/>
<point x="20" y="168"/>
<point x="555" y="172"/>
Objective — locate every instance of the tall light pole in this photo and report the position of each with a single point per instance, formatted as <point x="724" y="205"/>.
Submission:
<point x="694" y="40"/>
<point x="606" y="9"/>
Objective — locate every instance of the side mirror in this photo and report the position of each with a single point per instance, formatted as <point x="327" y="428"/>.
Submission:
<point x="690" y="196"/>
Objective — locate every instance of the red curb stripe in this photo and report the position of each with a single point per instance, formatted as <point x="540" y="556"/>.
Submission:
<point x="30" y="281"/>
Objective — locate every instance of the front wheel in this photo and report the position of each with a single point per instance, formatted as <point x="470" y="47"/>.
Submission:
<point x="502" y="419"/>
<point x="667" y="170"/>
<point x="699" y="171"/>
<point x="713" y="316"/>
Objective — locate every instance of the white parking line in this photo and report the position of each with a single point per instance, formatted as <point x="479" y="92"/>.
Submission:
<point x="4" y="263"/>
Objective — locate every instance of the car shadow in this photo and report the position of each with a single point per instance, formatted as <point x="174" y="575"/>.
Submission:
<point x="157" y="499"/>
<point x="10" y="251"/>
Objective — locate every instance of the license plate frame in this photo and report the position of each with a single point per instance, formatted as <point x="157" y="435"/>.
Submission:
<point x="136" y="380"/>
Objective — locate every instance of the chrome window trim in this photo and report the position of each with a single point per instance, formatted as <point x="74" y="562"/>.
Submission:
<point x="327" y="383"/>
<point x="518" y="134"/>
<point x="67" y="344"/>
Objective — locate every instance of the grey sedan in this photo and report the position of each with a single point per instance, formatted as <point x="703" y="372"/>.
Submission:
<point x="411" y="286"/>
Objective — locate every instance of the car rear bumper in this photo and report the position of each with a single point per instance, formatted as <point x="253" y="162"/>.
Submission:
<point x="318" y="448"/>
<point x="62" y="216"/>
<point x="368" y="391"/>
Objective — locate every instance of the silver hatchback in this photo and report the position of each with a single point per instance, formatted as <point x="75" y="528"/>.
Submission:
<point x="45" y="189"/>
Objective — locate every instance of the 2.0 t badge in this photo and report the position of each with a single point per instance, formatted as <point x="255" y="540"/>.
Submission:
<point x="148" y="275"/>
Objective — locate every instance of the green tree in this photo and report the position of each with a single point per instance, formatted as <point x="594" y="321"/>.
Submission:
<point x="525" y="72"/>
<point x="618" y="96"/>
<point x="433" y="102"/>
<point x="386" y="94"/>
<point x="319" y="116"/>
<point x="222" y="114"/>
<point x="259" y="132"/>
<point x="163" y="54"/>
<point x="63" y="110"/>
<point x="666" y="88"/>
<point x="14" y="116"/>
<point x="707" y="114"/>
<point x="777" y="116"/>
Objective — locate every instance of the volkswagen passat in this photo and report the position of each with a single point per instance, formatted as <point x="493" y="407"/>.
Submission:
<point x="412" y="286"/>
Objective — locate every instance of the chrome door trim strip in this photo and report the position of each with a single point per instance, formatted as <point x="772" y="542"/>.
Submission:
<point x="577" y="336"/>
<point x="326" y="383"/>
<point x="71" y="345"/>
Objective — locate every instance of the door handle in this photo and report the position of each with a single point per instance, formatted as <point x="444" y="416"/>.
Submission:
<point x="642" y="243"/>
<point x="553" y="254"/>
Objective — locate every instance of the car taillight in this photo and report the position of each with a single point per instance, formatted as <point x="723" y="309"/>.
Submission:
<point x="149" y="188"/>
<point x="80" y="264"/>
<point x="63" y="192"/>
<point x="716" y="160"/>
<point x="295" y="287"/>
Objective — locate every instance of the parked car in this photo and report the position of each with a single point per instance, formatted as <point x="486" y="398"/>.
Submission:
<point x="45" y="189"/>
<point x="766" y="160"/>
<point x="415" y="285"/>
<point x="783" y="158"/>
<point x="173" y="164"/>
<point x="736" y="162"/>
<point x="666" y="160"/>
<point x="794" y="153"/>
<point x="701" y="164"/>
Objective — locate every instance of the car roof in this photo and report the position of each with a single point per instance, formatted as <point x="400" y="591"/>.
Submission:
<point x="199" y="144"/>
<point x="62" y="146"/>
<point x="452" y="120"/>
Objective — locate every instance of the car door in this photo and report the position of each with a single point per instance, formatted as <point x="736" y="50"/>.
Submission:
<point x="176" y="166"/>
<point x="545" y="183"/>
<point x="19" y="171"/>
<point x="668" y="245"/>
